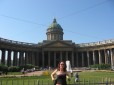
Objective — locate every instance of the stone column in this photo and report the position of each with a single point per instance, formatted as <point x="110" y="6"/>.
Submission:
<point x="112" y="59"/>
<point x="94" y="59"/>
<point x="37" y="59"/>
<point x="60" y="55"/>
<point x="66" y="55"/>
<point x="29" y="57"/>
<point x="33" y="58"/>
<point x="21" y="59"/>
<point x="49" y="58"/>
<point x="82" y="59"/>
<point x="26" y="58"/>
<point x="105" y="53"/>
<point x="88" y="58"/>
<point x="77" y="59"/>
<point x="3" y="57"/>
<point x="43" y="59"/>
<point x="15" y="58"/>
<point x="54" y="59"/>
<point x="100" y="60"/>
<point x="9" y="58"/>
<point x="72" y="59"/>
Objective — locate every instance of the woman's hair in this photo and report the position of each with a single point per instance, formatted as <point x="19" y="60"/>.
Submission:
<point x="64" y="69"/>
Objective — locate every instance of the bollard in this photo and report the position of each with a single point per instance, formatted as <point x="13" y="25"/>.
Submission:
<point x="84" y="81"/>
<point x="74" y="81"/>
<point x="88" y="82"/>
<point x="17" y="82"/>
<point x="6" y="82"/>
<point x="98" y="83"/>
<point x="12" y="82"/>
<point x="23" y="82"/>
<point x="28" y="82"/>
<point x="42" y="82"/>
<point x="93" y="82"/>
<point x="106" y="81"/>
<point x="79" y="82"/>
<point x="102" y="80"/>
<point x="1" y="82"/>
<point x="38" y="82"/>
<point x="34" y="82"/>
<point x="110" y="80"/>
<point x="48" y="82"/>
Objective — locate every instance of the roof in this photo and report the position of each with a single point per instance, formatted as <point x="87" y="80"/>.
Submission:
<point x="54" y="25"/>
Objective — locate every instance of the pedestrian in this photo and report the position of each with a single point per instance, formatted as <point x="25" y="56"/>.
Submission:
<point x="76" y="77"/>
<point x="61" y="74"/>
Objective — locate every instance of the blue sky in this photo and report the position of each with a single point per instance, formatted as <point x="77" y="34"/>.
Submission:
<point x="82" y="20"/>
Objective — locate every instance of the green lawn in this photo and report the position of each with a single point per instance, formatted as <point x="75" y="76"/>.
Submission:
<point x="14" y="73"/>
<point x="98" y="76"/>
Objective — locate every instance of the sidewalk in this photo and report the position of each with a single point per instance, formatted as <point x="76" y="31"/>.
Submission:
<point x="35" y="73"/>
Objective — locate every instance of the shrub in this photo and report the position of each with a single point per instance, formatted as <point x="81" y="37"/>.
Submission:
<point x="101" y="66"/>
<point x="27" y="66"/>
<point x="37" y="68"/>
<point x="13" y="69"/>
<point x="45" y="73"/>
<point x="4" y="68"/>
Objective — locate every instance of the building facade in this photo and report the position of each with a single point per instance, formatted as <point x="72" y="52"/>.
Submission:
<point x="49" y="52"/>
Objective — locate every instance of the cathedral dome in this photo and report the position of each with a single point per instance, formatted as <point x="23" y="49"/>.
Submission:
<point x="55" y="25"/>
<point x="54" y="31"/>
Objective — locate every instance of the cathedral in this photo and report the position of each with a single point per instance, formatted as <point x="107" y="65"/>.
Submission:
<point x="55" y="49"/>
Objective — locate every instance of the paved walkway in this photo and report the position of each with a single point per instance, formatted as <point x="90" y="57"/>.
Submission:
<point x="36" y="73"/>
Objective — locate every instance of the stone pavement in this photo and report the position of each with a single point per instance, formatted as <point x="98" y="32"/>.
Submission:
<point x="35" y="73"/>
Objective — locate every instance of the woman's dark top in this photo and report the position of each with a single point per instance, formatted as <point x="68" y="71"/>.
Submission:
<point x="61" y="79"/>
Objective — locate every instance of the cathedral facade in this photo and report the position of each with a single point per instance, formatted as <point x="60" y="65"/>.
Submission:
<point x="49" y="52"/>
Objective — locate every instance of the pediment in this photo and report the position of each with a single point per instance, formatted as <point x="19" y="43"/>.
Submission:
<point x="58" y="44"/>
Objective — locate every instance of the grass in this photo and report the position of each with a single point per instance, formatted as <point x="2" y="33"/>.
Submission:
<point x="31" y="80"/>
<point x="14" y="73"/>
<point x="97" y="76"/>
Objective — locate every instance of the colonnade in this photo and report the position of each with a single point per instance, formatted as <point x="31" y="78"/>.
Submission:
<point x="51" y="58"/>
<point x="16" y="58"/>
<point x="87" y="58"/>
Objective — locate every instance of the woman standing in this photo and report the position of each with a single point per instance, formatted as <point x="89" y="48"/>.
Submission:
<point x="61" y="74"/>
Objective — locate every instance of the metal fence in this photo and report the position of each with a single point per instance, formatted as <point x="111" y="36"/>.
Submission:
<point x="41" y="82"/>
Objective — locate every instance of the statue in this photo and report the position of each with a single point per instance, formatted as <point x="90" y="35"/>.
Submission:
<point x="68" y="66"/>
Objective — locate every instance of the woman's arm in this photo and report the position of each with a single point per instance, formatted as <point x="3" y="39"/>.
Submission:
<point x="68" y="76"/>
<point x="52" y="75"/>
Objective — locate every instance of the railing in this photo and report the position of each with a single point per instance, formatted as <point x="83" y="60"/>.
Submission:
<point x="96" y="43"/>
<point x="77" y="45"/>
<point x="41" y="82"/>
<point x="17" y="42"/>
